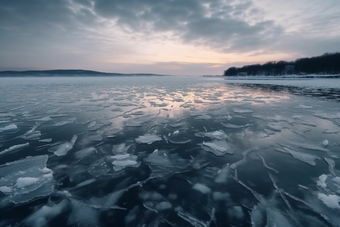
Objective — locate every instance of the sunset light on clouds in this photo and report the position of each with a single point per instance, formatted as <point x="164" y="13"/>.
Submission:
<point x="177" y="37"/>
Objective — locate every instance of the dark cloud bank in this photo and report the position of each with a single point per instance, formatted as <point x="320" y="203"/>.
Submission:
<point x="222" y="25"/>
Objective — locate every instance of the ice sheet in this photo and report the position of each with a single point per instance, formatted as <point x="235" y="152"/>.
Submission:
<point x="217" y="147"/>
<point x="14" y="148"/>
<point x="148" y="138"/>
<point x="62" y="149"/>
<point x="306" y="158"/>
<point x="26" y="179"/>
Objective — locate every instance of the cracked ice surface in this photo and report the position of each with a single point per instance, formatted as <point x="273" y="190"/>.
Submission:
<point x="165" y="151"/>
<point x="26" y="179"/>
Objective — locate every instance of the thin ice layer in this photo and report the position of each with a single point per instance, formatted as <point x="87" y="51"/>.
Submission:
<point x="26" y="179"/>
<point x="45" y="214"/>
<point x="122" y="161"/>
<point x="228" y="125"/>
<point x="62" y="149"/>
<point x="162" y="163"/>
<point x="8" y="128"/>
<point x="148" y="138"/>
<point x="307" y="158"/>
<point x="218" y="135"/>
<point x="14" y="148"/>
<point x="217" y="147"/>
<point x="222" y="175"/>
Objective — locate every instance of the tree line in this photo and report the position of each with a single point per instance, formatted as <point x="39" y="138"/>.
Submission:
<point x="328" y="63"/>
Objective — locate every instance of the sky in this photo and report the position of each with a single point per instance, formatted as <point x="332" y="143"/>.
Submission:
<point x="174" y="37"/>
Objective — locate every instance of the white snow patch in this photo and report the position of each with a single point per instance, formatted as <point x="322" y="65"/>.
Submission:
<point x="325" y="143"/>
<point x="62" y="149"/>
<point x="5" y="189"/>
<point x="25" y="181"/>
<point x="322" y="181"/>
<point x="331" y="201"/>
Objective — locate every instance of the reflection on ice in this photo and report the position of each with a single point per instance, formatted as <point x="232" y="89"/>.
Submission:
<point x="167" y="152"/>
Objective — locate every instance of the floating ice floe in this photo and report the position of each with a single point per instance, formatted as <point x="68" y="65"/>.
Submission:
<point x="277" y="126"/>
<point x="96" y="138"/>
<point x="124" y="104"/>
<point x="92" y="124"/>
<point x="308" y="146"/>
<point x="217" y="147"/>
<point x="14" y="148"/>
<point x="32" y="134"/>
<point x="85" y="152"/>
<point x="203" y="117"/>
<point x="228" y="125"/>
<point x="163" y="164"/>
<point x="66" y="122"/>
<point x="175" y="133"/>
<point x="137" y="113"/>
<point x="218" y="135"/>
<point x="63" y="148"/>
<point x="179" y="141"/>
<point x="122" y="161"/>
<point x="331" y="201"/>
<point x="305" y="107"/>
<point x="325" y="143"/>
<point x="322" y="181"/>
<point x="26" y="179"/>
<point x="120" y="148"/>
<point x="236" y="110"/>
<point x="154" y="201"/>
<point x="148" y="138"/>
<point x="306" y="158"/>
<point x="9" y="128"/>
<point x="327" y="116"/>
<point x="44" y="119"/>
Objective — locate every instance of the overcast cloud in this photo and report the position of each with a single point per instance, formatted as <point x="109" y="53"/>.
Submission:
<point x="102" y="34"/>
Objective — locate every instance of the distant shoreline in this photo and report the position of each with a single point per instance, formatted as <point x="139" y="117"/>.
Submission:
<point x="68" y="73"/>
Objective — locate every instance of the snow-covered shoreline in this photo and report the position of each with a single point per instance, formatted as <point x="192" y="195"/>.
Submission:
<point x="282" y="77"/>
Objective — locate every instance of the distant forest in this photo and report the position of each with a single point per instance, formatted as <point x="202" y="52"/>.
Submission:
<point x="328" y="63"/>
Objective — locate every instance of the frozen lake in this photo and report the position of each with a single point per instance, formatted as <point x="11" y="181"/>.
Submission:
<point x="169" y="151"/>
